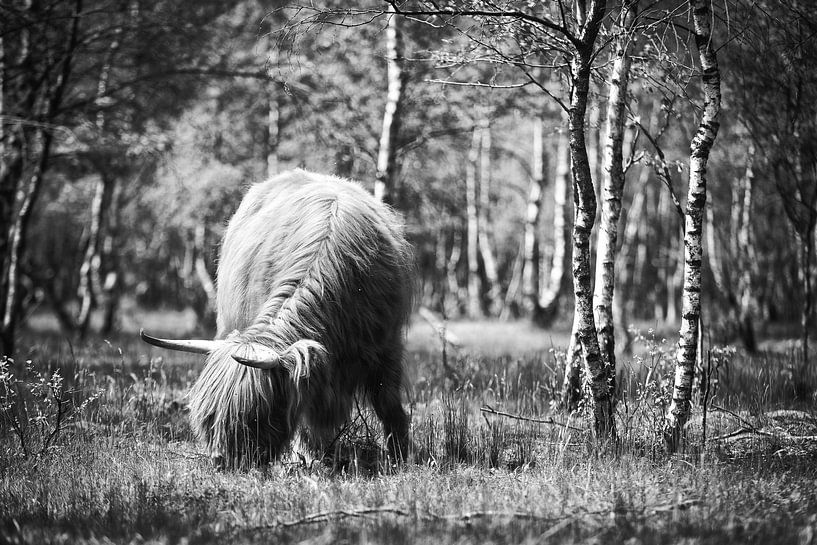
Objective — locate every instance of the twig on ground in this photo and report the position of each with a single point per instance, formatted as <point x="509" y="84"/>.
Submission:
<point x="327" y="516"/>
<point x="559" y="522"/>
<point x="555" y="529"/>
<point x="680" y="506"/>
<point x="745" y="422"/>
<point x="469" y="516"/>
<point x="490" y="410"/>
<point x="737" y="434"/>
<point x="439" y="327"/>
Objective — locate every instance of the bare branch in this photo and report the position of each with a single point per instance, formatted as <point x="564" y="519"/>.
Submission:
<point x="490" y="410"/>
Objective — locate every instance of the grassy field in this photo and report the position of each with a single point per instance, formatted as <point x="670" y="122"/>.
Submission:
<point x="103" y="453"/>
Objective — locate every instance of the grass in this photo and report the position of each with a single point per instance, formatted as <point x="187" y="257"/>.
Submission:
<point x="124" y="467"/>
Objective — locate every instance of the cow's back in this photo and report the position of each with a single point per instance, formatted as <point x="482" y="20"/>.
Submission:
<point x="324" y="236"/>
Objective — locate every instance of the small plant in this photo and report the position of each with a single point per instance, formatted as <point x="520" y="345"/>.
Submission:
<point x="36" y="407"/>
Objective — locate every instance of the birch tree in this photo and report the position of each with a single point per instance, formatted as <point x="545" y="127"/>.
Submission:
<point x="584" y="198"/>
<point x="28" y="193"/>
<point x="386" y="157"/>
<point x="685" y="358"/>
<point x="474" y="305"/>
<point x="612" y="184"/>
<point x="543" y="292"/>
<point x="492" y="295"/>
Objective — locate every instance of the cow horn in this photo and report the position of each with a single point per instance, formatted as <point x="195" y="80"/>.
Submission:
<point x="261" y="357"/>
<point x="197" y="346"/>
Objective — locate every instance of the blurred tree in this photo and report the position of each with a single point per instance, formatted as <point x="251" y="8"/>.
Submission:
<point x="74" y="107"/>
<point x="775" y="83"/>
<point x="543" y="292"/>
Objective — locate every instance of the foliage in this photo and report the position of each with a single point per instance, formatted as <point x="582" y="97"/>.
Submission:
<point x="37" y="408"/>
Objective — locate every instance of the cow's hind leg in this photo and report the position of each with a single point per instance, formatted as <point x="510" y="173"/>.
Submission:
<point x="384" y="390"/>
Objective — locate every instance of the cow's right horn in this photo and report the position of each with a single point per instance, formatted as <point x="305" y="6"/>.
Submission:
<point x="258" y="356"/>
<point x="197" y="346"/>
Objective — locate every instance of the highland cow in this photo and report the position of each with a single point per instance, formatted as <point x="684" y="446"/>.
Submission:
<point x="314" y="292"/>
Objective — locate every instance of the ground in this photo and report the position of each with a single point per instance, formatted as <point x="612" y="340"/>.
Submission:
<point x="123" y="467"/>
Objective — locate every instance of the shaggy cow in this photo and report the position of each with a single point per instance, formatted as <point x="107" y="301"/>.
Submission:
<point x="314" y="291"/>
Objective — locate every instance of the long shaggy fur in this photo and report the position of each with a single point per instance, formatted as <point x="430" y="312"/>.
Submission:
<point x="315" y="269"/>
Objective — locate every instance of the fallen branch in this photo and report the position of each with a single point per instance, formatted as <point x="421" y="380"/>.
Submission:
<point x="490" y="410"/>
<point x="558" y="522"/>
<point x="745" y="422"/>
<point x="439" y="327"/>
<point x="742" y="433"/>
<point x="328" y="516"/>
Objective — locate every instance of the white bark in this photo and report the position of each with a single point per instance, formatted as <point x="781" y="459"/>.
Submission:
<point x="386" y="157"/>
<point x="553" y="286"/>
<point x="612" y="187"/>
<point x="474" y="306"/>
<point x="485" y="250"/>
<point x="678" y="412"/>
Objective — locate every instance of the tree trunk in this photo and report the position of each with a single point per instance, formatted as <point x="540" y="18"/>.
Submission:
<point x="17" y="250"/>
<point x="207" y="315"/>
<point x="492" y="296"/>
<point x="747" y="260"/>
<point x="90" y="283"/>
<point x="623" y="296"/>
<point x="385" y="179"/>
<point x="530" y="270"/>
<point x="572" y="386"/>
<point x="552" y="287"/>
<point x="474" y="306"/>
<point x="272" y="129"/>
<point x="452" y="303"/>
<point x="13" y="241"/>
<point x="678" y="412"/>
<point x="612" y="188"/>
<point x="12" y="158"/>
<point x="584" y="199"/>
<point x="439" y="280"/>
<point x="510" y="307"/>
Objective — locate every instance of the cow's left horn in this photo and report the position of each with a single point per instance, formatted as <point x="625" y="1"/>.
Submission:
<point x="197" y="346"/>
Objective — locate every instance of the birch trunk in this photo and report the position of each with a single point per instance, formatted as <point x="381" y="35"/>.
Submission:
<point x="612" y="188"/>
<point x="272" y="129"/>
<point x="747" y="260"/>
<point x="533" y="209"/>
<point x="11" y="168"/>
<point x="678" y="412"/>
<point x="510" y="307"/>
<point x="17" y="248"/>
<point x="623" y="296"/>
<point x="454" y="291"/>
<point x="584" y="199"/>
<point x="438" y="280"/>
<point x="273" y="109"/>
<point x="385" y="179"/>
<point x="553" y="286"/>
<point x="15" y="243"/>
<point x="494" y="302"/>
<point x="111" y="287"/>
<point x="474" y="306"/>
<point x="90" y="283"/>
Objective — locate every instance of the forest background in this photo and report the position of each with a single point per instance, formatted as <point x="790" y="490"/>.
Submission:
<point x="131" y="130"/>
